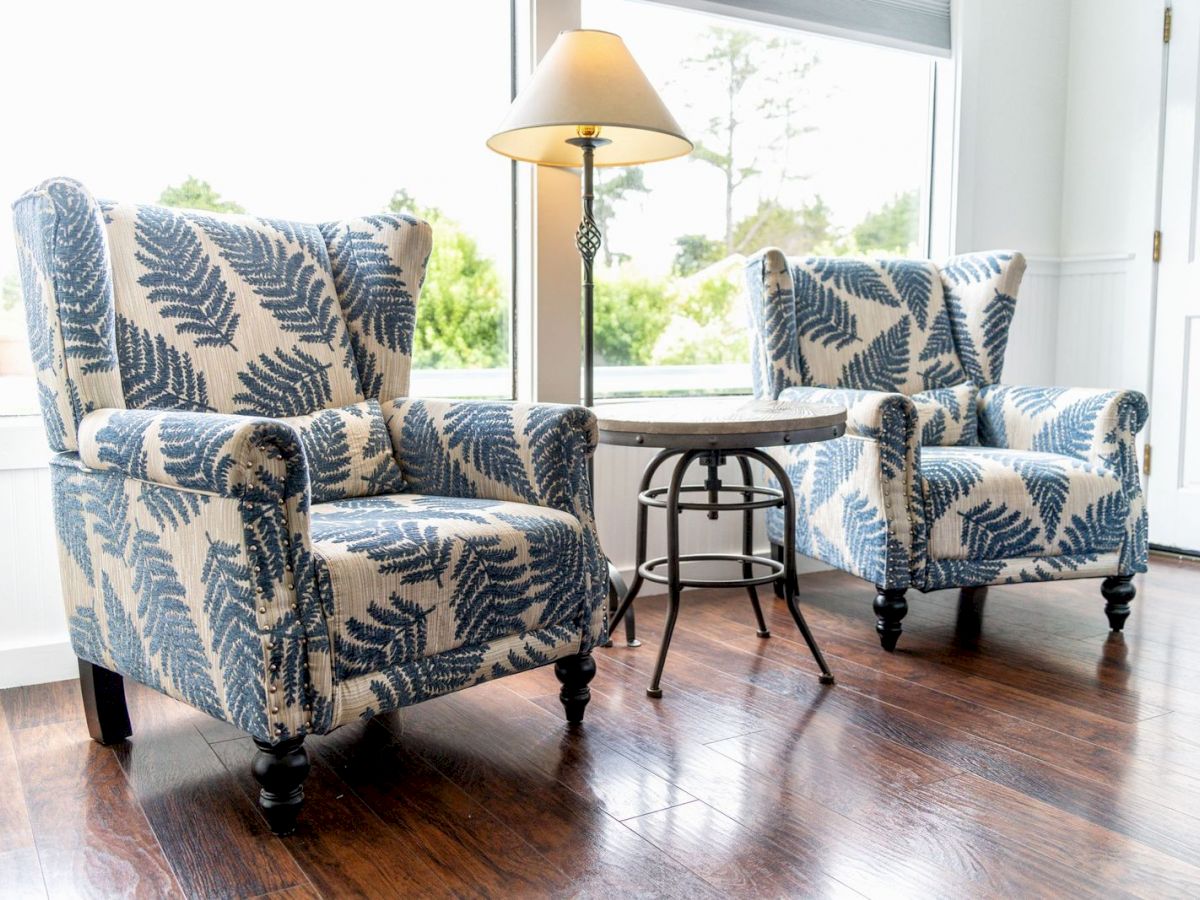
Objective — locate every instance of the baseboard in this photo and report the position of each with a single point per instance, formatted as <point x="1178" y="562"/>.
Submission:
<point x="37" y="664"/>
<point x="804" y="566"/>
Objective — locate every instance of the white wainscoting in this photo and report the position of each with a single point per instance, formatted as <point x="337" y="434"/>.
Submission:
<point x="33" y="627"/>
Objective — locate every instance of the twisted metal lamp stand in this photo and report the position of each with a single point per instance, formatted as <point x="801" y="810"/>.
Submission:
<point x="587" y="240"/>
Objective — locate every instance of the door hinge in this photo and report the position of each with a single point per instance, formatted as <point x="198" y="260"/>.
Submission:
<point x="1156" y="251"/>
<point x="1146" y="460"/>
<point x="1167" y="25"/>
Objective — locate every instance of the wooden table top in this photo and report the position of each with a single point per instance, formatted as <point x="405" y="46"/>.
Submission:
<point x="725" y="422"/>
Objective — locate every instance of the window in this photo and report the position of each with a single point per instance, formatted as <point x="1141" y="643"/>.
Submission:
<point x="807" y="143"/>
<point x="300" y="111"/>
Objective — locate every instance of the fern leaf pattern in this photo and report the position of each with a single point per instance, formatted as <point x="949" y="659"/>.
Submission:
<point x="228" y="606"/>
<point x="155" y="375"/>
<point x="883" y="364"/>
<point x="914" y="284"/>
<point x="291" y="284"/>
<point x="170" y="634"/>
<point x="485" y="436"/>
<point x="854" y="276"/>
<point x="993" y="531"/>
<point x="181" y="280"/>
<point x="821" y="315"/>
<point x="285" y="383"/>
<point x="776" y="362"/>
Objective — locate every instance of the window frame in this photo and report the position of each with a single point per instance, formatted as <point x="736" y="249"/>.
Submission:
<point x="552" y="304"/>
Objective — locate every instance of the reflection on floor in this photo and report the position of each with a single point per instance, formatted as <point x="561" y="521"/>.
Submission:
<point x="1017" y="750"/>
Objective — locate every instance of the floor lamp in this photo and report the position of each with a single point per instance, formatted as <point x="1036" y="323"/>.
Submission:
<point x="589" y="103"/>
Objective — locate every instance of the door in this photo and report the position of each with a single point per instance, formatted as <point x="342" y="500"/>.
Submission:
<point x="1174" y="484"/>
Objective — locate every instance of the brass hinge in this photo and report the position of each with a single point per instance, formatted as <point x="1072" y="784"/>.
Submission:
<point x="1156" y="252"/>
<point x="1167" y="25"/>
<point x="1146" y="460"/>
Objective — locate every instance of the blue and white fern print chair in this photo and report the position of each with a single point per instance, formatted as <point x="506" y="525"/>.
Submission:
<point x="945" y="478"/>
<point x="252" y="516"/>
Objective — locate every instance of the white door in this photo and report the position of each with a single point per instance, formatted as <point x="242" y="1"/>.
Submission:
<point x="1174" y="484"/>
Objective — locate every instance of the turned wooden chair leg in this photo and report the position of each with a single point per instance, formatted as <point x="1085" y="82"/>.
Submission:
<point x="280" y="770"/>
<point x="104" y="703"/>
<point x="890" y="608"/>
<point x="1118" y="592"/>
<point x="574" y="672"/>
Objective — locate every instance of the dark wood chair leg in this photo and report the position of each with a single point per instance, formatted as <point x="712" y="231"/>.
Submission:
<point x="890" y="609"/>
<point x="777" y="555"/>
<point x="280" y="769"/>
<point x="1118" y="591"/>
<point x="574" y="673"/>
<point x="104" y="703"/>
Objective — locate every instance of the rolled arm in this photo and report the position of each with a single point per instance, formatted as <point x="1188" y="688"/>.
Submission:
<point x="231" y="456"/>
<point x="855" y="497"/>
<point x="1097" y="426"/>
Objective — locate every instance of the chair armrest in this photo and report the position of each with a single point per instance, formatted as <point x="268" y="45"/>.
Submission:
<point x="855" y="495"/>
<point x="531" y="453"/>
<point x="1095" y="425"/>
<point x="1091" y="424"/>
<point x="232" y="456"/>
<point x="890" y="419"/>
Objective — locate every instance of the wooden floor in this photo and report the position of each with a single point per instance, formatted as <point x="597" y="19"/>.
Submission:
<point x="1037" y="757"/>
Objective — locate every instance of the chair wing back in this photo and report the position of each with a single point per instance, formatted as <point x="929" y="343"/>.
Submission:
<point x="147" y="307"/>
<point x="883" y="325"/>
<point x="378" y="268"/>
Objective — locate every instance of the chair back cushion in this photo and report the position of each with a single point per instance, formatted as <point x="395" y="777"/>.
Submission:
<point x="876" y="325"/>
<point x="227" y="314"/>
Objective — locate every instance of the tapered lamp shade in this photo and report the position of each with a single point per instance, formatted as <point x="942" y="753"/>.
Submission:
<point x="589" y="80"/>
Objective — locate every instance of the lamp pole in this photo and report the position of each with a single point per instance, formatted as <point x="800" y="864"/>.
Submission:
<point x="587" y="239"/>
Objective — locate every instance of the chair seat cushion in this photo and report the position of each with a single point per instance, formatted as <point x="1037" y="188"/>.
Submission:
<point x="983" y="503"/>
<point x="407" y="576"/>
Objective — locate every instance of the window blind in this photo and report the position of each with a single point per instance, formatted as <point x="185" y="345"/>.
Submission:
<point x="920" y="25"/>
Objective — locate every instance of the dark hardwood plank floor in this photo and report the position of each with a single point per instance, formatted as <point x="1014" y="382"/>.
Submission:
<point x="1016" y="749"/>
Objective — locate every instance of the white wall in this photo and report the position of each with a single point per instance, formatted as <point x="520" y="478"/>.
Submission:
<point x="1109" y="193"/>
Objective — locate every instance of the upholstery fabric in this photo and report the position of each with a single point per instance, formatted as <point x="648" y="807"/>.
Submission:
<point x="985" y="505"/>
<point x="909" y="497"/>
<point x="876" y="325"/>
<point x="349" y="452"/>
<point x="854" y="499"/>
<point x="378" y="267"/>
<point x="202" y="379"/>
<point x="410" y="576"/>
<point x="947" y="416"/>
<point x="981" y="294"/>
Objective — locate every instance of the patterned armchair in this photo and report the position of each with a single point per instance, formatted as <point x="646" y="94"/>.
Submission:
<point x="945" y="477"/>
<point x="253" y="518"/>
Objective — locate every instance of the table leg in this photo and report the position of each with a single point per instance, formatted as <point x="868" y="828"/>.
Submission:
<point x="635" y="585"/>
<point x="673" y="586"/>
<point x="790" y="586"/>
<point x="748" y="547"/>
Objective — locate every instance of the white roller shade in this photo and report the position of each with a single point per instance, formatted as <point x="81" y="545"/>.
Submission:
<point x="921" y="25"/>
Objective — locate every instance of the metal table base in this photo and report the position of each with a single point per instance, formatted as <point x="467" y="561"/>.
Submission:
<point x="673" y="499"/>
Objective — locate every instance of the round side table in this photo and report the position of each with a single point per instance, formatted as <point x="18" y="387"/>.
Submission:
<point x="711" y="431"/>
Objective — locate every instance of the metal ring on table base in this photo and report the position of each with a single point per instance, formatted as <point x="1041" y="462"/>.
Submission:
<point x="646" y="570"/>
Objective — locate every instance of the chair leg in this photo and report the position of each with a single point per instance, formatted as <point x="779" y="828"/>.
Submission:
<point x="574" y="673"/>
<point x="280" y="770"/>
<point x="1118" y="591"/>
<point x="777" y="555"/>
<point x="104" y="703"/>
<point x="890" y="608"/>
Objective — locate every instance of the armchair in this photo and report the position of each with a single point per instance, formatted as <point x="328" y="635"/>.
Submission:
<point x="945" y="477"/>
<point x="253" y="517"/>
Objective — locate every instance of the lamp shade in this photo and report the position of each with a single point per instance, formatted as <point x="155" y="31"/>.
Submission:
<point x="589" y="78"/>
